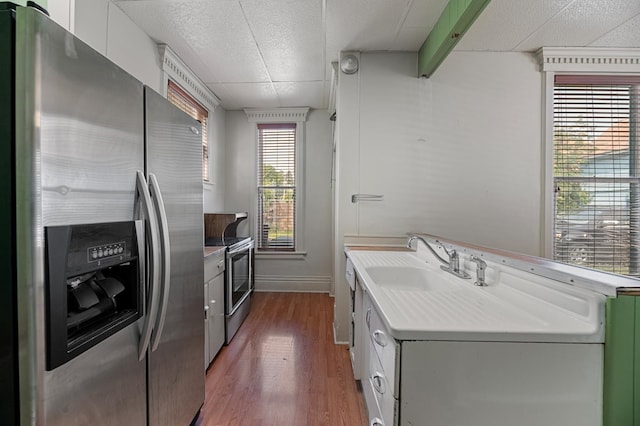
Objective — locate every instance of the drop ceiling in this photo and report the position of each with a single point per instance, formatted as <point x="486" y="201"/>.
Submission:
<point x="278" y="53"/>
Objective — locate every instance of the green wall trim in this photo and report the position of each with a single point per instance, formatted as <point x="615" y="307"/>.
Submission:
<point x="455" y="20"/>
<point x="621" y="392"/>
<point x="8" y="336"/>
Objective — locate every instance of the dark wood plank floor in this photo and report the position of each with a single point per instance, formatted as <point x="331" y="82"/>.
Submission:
<point x="282" y="368"/>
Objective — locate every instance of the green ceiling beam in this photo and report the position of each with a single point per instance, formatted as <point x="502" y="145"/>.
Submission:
<point x="455" y="20"/>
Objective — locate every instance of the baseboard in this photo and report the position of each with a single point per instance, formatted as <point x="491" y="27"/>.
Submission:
<point x="288" y="283"/>
<point x="337" y="342"/>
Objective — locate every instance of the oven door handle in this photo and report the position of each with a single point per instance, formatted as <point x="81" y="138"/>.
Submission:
<point x="245" y="247"/>
<point x="165" y="246"/>
<point x="151" y="299"/>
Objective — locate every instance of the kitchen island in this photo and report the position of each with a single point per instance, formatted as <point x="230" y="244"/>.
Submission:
<point x="433" y="348"/>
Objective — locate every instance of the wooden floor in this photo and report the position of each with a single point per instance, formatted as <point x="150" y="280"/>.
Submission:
<point x="283" y="368"/>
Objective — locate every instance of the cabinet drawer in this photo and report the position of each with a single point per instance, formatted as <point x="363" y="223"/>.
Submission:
<point x="214" y="264"/>
<point x="384" y="346"/>
<point x="373" y="410"/>
<point x="382" y="389"/>
<point x="350" y="275"/>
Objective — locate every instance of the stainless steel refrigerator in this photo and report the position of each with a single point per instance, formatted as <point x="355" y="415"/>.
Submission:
<point x="101" y="212"/>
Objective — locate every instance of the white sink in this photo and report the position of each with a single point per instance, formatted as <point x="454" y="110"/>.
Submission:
<point x="406" y="278"/>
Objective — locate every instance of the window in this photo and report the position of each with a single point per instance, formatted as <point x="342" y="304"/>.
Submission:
<point x="180" y="98"/>
<point x="277" y="186"/>
<point x="596" y="178"/>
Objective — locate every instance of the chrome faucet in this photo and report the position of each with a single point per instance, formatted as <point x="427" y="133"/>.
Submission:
<point x="418" y="237"/>
<point x="452" y="265"/>
<point x="481" y="266"/>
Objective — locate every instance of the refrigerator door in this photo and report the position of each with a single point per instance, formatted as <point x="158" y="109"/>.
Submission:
<point x="79" y="143"/>
<point x="174" y="156"/>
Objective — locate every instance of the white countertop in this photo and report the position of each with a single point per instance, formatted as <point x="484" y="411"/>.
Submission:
<point x="515" y="306"/>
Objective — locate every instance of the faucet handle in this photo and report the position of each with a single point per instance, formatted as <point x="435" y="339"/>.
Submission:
<point x="449" y="253"/>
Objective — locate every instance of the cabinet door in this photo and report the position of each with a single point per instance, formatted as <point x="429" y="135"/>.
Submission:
<point x="206" y="326"/>
<point x="359" y="330"/>
<point x="216" y="315"/>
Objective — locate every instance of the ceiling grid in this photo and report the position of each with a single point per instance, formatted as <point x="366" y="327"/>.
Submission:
<point x="278" y="53"/>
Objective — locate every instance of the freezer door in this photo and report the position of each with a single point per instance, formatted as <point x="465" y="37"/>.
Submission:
<point x="79" y="142"/>
<point x="174" y="156"/>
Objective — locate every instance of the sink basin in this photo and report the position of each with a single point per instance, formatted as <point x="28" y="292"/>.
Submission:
<point x="406" y="278"/>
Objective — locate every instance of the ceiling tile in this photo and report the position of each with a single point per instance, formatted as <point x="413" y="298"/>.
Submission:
<point x="419" y="20"/>
<point x="245" y="95"/>
<point x="581" y="23"/>
<point x="216" y="31"/>
<point x="290" y="38"/>
<point x="504" y="24"/>
<point x="410" y="39"/>
<point x="424" y="14"/>
<point x="363" y="24"/>
<point x="626" y="35"/>
<point x="301" y="94"/>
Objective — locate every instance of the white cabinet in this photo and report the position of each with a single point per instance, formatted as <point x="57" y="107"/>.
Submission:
<point x="357" y="343"/>
<point x="207" y="360"/>
<point x="451" y="383"/>
<point x="380" y="381"/>
<point x="214" y="266"/>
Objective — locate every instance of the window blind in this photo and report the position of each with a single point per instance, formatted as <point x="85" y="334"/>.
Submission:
<point x="596" y="172"/>
<point x="180" y="98"/>
<point x="276" y="186"/>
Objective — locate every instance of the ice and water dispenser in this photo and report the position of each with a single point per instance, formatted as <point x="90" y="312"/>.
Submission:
<point x="93" y="286"/>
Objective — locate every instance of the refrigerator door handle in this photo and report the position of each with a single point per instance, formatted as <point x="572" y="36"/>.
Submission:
<point x="151" y="299"/>
<point x="165" y="245"/>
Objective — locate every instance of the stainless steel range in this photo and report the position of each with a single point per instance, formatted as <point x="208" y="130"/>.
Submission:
<point x="220" y="230"/>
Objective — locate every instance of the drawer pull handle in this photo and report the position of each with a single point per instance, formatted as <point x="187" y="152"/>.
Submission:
<point x="369" y="318"/>
<point x="379" y="337"/>
<point x="376" y="422"/>
<point x="377" y="380"/>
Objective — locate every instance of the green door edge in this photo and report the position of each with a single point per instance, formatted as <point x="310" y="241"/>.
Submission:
<point x="621" y="390"/>
<point x="9" y="355"/>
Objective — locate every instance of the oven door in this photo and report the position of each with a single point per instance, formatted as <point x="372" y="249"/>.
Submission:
<point x="239" y="283"/>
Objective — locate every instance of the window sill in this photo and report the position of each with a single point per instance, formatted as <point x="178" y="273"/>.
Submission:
<point x="282" y="255"/>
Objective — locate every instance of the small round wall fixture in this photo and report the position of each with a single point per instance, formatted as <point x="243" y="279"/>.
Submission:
<point x="349" y="64"/>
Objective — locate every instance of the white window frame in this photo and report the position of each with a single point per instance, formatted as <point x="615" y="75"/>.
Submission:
<point x="284" y="115"/>
<point x="558" y="60"/>
<point x="175" y="69"/>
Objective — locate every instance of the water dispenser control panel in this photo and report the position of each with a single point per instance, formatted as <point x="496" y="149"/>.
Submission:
<point x="105" y="251"/>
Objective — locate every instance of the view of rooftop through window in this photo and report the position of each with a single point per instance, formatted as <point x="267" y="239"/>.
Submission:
<point x="596" y="160"/>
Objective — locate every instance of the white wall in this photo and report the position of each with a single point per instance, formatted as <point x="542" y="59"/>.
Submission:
<point x="486" y="167"/>
<point x="103" y="26"/>
<point x="59" y="11"/>
<point x="458" y="155"/>
<point x="313" y="271"/>
<point x="108" y="30"/>
<point x="214" y="190"/>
